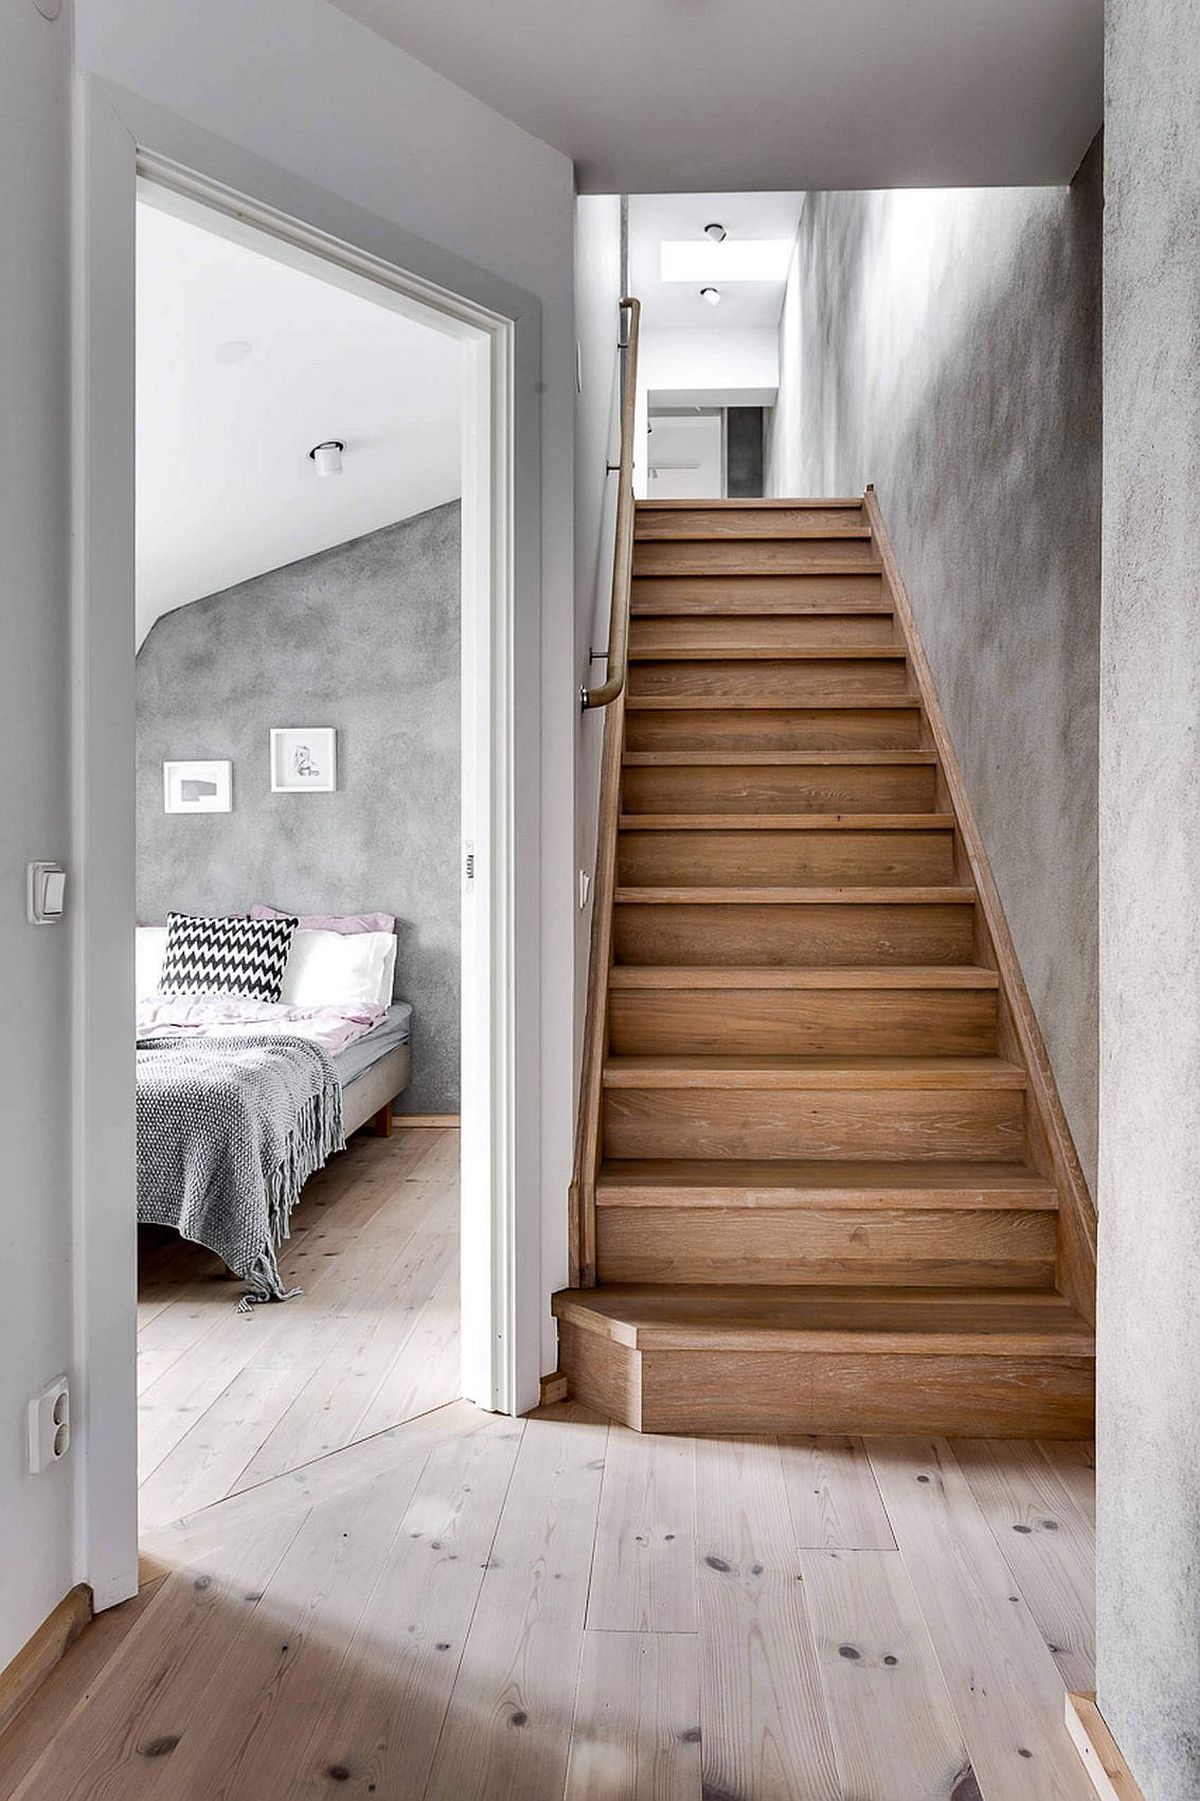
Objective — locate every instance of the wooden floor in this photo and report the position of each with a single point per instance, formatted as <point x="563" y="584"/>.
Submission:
<point x="468" y="1607"/>
<point x="229" y="1399"/>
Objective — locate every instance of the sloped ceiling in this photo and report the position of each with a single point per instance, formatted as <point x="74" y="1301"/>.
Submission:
<point x="245" y="363"/>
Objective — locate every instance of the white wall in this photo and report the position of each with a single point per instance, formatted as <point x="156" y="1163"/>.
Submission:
<point x="728" y="364"/>
<point x="723" y="366"/>
<point x="36" y="1513"/>
<point x="597" y="443"/>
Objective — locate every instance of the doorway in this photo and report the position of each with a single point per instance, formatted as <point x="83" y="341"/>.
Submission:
<point x="496" y="327"/>
<point x="299" y="680"/>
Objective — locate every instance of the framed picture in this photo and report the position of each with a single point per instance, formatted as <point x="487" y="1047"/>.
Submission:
<point x="303" y="759"/>
<point x="198" y="787"/>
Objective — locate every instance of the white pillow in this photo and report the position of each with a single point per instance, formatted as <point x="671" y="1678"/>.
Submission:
<point x="332" y="969"/>
<point x="150" y="948"/>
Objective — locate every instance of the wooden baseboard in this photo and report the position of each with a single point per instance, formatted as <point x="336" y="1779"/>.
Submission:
<point x="34" y="1662"/>
<point x="553" y="1388"/>
<point x="1097" y="1748"/>
<point x="442" y="1120"/>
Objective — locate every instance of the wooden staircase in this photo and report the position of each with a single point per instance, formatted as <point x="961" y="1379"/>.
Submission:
<point x="823" y="1182"/>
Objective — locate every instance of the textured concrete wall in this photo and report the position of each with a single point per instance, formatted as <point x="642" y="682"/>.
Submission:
<point x="1148" y="1433"/>
<point x="945" y="345"/>
<point x="364" y="637"/>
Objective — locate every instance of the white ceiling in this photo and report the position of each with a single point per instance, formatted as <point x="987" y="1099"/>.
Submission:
<point x="657" y="96"/>
<point x="225" y="488"/>
<point x="676" y="305"/>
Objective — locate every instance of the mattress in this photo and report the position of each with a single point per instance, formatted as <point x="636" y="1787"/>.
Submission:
<point x="392" y="1031"/>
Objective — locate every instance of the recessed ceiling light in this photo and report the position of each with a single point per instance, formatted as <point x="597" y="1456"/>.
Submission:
<point x="327" y="457"/>
<point x="712" y="295"/>
<point x="700" y="260"/>
<point x="234" y="350"/>
<point x="716" y="233"/>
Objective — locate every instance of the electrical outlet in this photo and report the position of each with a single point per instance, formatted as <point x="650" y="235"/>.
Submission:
<point x="49" y="1426"/>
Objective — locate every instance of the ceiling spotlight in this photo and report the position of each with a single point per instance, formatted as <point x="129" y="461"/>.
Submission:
<point x="328" y="456"/>
<point x="712" y="295"/>
<point x="716" y="232"/>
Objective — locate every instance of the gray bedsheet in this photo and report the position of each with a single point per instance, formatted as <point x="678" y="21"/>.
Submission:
<point x="357" y="1058"/>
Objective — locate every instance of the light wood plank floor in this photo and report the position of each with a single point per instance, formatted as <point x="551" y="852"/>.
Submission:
<point x="469" y="1608"/>
<point x="354" y="1585"/>
<point x="228" y="1400"/>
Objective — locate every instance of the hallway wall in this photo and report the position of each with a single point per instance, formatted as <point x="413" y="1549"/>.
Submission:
<point x="38" y="1559"/>
<point x="946" y="346"/>
<point x="1148" y="1428"/>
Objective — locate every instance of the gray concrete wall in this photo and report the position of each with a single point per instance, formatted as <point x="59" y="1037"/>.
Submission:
<point x="945" y="345"/>
<point x="364" y="637"/>
<point x="1148" y="1432"/>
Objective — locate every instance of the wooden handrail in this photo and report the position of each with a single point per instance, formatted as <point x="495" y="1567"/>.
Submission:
<point x="622" y="575"/>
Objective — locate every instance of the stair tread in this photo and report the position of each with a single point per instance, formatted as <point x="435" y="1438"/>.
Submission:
<point x="766" y="653"/>
<point x="786" y="822"/>
<point x="768" y="759"/>
<point x="700" y="533"/>
<point x="744" y="1182"/>
<point x="916" y="975"/>
<point x="764" y="1070"/>
<point x="808" y="566"/>
<point x="796" y="897"/>
<point x="917" y="1321"/>
<point x="757" y="503"/>
<point x="818" y="703"/>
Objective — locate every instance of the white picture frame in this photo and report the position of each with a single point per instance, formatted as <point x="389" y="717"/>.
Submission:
<point x="198" y="786"/>
<point x="303" y="759"/>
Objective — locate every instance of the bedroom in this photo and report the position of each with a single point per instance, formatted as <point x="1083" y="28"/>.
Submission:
<point x="299" y="840"/>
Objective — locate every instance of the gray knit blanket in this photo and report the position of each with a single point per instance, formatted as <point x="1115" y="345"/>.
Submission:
<point x="229" y="1131"/>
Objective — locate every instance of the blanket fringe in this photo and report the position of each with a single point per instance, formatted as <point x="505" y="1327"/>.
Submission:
<point x="316" y="1135"/>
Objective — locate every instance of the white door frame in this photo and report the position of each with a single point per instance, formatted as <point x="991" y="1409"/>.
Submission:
<point x="119" y="140"/>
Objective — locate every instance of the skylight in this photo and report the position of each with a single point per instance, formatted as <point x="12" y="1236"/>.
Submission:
<point x="747" y="259"/>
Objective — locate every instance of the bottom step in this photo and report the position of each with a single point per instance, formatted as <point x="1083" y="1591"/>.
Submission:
<point x="987" y="1363"/>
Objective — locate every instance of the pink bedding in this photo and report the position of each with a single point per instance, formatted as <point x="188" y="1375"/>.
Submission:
<point x="220" y="1015"/>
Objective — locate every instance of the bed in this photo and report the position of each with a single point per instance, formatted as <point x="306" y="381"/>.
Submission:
<point x="374" y="1070"/>
<point x="260" y="1048"/>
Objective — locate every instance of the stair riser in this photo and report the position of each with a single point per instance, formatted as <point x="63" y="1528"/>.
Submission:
<point x="798" y="788"/>
<point x="856" y="1123"/>
<point x="765" y="682"/>
<point x="727" y="594"/>
<point x="744" y="522"/>
<point x="814" y="937"/>
<point x="836" y="632"/>
<point x="832" y="1022"/>
<point x="797" y="1392"/>
<point x="766" y="730"/>
<point x="801" y="859"/>
<point x="780" y="1246"/>
<point x="762" y="556"/>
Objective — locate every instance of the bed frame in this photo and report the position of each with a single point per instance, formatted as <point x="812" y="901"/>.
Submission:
<point x="368" y="1099"/>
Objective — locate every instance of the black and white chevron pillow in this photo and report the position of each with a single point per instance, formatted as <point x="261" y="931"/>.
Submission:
<point x="246" y="957"/>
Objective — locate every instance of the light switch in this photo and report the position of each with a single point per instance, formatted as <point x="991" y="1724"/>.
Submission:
<point x="45" y="893"/>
